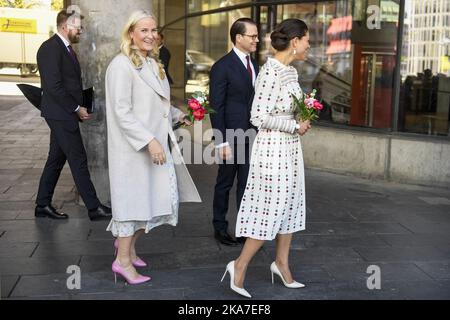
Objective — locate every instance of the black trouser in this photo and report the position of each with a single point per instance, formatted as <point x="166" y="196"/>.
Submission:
<point x="224" y="183"/>
<point x="66" y="144"/>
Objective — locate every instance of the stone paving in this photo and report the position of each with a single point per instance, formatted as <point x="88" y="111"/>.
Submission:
<point x="352" y="224"/>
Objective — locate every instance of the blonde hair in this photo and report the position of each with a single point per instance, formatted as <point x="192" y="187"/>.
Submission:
<point x="127" y="47"/>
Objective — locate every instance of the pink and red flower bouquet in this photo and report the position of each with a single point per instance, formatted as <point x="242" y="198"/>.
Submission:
<point x="307" y="107"/>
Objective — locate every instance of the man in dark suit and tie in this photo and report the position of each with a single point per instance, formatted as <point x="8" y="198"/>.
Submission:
<point x="62" y="107"/>
<point x="164" y="55"/>
<point x="232" y="80"/>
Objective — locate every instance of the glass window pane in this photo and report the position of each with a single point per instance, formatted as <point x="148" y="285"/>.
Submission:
<point x="204" y="5"/>
<point x="207" y="40"/>
<point x="351" y="62"/>
<point x="425" y="72"/>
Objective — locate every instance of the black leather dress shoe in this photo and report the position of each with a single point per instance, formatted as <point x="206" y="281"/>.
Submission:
<point x="49" y="212"/>
<point x="224" y="238"/>
<point x="101" y="213"/>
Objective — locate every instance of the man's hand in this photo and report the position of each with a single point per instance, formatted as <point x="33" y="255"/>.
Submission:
<point x="304" y="127"/>
<point x="157" y="152"/>
<point x="83" y="114"/>
<point x="184" y="119"/>
<point x="225" y="153"/>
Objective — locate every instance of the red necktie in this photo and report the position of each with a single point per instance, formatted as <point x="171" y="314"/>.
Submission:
<point x="249" y="69"/>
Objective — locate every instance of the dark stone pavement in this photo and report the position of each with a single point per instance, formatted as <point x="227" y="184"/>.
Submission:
<point x="352" y="224"/>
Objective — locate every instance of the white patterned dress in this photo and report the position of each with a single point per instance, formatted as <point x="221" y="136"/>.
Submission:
<point x="274" y="198"/>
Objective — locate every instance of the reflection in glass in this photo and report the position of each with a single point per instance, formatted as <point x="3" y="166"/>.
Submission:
<point x="207" y="41"/>
<point x="425" y="83"/>
<point x="351" y="65"/>
<point x="203" y="5"/>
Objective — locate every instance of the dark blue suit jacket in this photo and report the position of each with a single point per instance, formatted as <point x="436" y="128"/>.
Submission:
<point x="231" y="94"/>
<point x="60" y="81"/>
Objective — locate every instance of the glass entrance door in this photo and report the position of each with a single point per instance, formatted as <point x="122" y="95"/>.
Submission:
<point x="372" y="90"/>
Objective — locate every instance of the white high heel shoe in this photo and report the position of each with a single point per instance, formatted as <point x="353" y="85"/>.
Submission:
<point x="293" y="285"/>
<point x="230" y="270"/>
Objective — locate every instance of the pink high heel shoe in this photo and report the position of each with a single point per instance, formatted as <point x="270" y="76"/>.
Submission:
<point x="138" y="263"/>
<point x="118" y="269"/>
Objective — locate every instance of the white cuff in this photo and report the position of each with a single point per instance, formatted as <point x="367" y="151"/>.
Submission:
<point x="225" y="144"/>
<point x="78" y="108"/>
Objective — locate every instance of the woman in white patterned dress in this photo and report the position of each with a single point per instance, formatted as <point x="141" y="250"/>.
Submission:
<point x="273" y="205"/>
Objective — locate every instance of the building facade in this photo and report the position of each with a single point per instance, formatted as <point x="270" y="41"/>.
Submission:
<point x="381" y="119"/>
<point x="429" y="36"/>
<point x="386" y="116"/>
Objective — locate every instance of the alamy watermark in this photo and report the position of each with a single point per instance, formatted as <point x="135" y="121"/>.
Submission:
<point x="373" y="17"/>
<point x="204" y="151"/>
<point x="374" y="280"/>
<point x="74" y="280"/>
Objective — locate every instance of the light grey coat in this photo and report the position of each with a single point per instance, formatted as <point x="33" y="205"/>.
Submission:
<point x="138" y="110"/>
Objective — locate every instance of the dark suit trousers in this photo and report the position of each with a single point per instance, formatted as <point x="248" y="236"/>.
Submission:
<point x="66" y="144"/>
<point x="225" y="180"/>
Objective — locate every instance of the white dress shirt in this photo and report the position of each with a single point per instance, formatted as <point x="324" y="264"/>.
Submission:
<point x="243" y="57"/>
<point x="66" y="42"/>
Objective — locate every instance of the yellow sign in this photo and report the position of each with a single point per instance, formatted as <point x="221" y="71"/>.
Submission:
<point x="18" y="25"/>
<point x="445" y="64"/>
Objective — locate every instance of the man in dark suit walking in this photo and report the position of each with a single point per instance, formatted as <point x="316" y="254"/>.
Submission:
<point x="232" y="80"/>
<point x="62" y="107"/>
<point x="164" y="55"/>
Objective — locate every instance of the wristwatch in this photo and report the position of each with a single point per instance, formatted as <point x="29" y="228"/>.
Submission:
<point x="297" y="126"/>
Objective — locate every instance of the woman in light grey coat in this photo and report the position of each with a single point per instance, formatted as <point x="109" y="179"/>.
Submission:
<point x="148" y="178"/>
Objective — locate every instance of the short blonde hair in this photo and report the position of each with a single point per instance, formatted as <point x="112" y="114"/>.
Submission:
<point x="127" y="47"/>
